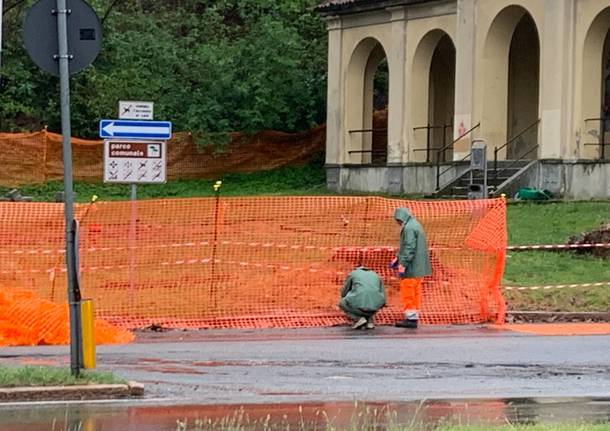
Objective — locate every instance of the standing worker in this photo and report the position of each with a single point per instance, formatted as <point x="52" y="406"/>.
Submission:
<point x="412" y="263"/>
<point x="362" y="295"/>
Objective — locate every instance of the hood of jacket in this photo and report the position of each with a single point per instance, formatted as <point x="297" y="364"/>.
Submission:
<point x="402" y="214"/>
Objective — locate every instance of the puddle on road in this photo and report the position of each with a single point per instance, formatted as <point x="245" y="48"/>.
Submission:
<point x="300" y="417"/>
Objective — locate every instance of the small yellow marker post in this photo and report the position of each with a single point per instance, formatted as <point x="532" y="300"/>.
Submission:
<point x="88" y="316"/>
<point x="217" y="185"/>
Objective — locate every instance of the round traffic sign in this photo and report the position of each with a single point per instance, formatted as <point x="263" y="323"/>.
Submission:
<point x="40" y="35"/>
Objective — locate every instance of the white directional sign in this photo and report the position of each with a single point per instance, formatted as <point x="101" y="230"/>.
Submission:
<point x="133" y="129"/>
<point x="134" y="162"/>
<point x="131" y="110"/>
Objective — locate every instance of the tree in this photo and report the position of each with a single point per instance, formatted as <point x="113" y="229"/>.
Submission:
<point x="211" y="66"/>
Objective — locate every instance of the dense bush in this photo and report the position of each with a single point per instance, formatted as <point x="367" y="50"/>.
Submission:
<point x="210" y="66"/>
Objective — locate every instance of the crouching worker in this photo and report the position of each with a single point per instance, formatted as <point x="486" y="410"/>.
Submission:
<point x="362" y="295"/>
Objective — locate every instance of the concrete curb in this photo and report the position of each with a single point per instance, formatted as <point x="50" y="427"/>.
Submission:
<point x="75" y="392"/>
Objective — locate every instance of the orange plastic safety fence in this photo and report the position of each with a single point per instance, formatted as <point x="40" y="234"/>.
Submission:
<point x="28" y="158"/>
<point x="254" y="262"/>
<point x="26" y="319"/>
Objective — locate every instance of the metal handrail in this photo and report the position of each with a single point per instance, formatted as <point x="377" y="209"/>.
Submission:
<point x="427" y="150"/>
<point x="450" y="144"/>
<point x="367" y="151"/>
<point x="374" y="154"/>
<point x="428" y="128"/>
<point x="603" y="143"/>
<point x="514" y="138"/>
<point x="368" y="130"/>
<point x="506" y="168"/>
<point x="371" y="151"/>
<point x="451" y="166"/>
<point x="445" y="148"/>
<point x="518" y="135"/>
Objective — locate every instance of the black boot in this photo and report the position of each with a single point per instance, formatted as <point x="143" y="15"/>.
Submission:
<point x="411" y="324"/>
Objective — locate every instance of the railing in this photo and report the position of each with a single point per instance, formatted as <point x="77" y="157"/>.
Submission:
<point x="428" y="129"/>
<point x="602" y="143"/>
<point x="513" y="163"/>
<point x="367" y="130"/>
<point x="510" y="141"/>
<point x="442" y="152"/>
<point x="382" y="153"/>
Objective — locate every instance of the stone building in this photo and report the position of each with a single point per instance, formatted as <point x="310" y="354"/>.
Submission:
<point x="530" y="79"/>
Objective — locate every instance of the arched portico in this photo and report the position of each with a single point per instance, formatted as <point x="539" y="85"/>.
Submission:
<point x="433" y="89"/>
<point x="360" y="86"/>
<point x="596" y="88"/>
<point x="511" y="80"/>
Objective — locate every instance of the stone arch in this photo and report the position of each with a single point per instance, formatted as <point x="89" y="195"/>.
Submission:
<point x="596" y="85"/>
<point x="511" y="83"/>
<point x="433" y="94"/>
<point x="363" y="64"/>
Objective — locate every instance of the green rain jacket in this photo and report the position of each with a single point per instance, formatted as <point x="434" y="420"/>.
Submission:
<point x="413" y="251"/>
<point x="363" y="290"/>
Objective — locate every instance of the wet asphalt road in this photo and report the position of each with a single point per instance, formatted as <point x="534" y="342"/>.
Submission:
<point x="337" y="364"/>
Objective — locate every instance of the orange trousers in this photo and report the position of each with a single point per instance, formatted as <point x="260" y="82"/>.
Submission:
<point x="410" y="293"/>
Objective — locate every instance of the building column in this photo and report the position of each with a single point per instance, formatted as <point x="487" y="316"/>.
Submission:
<point x="556" y="83"/>
<point x="397" y="149"/>
<point x="335" y="122"/>
<point x="464" y="77"/>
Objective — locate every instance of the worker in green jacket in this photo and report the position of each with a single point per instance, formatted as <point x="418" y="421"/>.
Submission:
<point x="362" y="295"/>
<point x="412" y="263"/>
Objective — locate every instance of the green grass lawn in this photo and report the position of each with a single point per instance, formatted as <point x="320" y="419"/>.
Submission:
<point x="553" y="223"/>
<point x="301" y="180"/>
<point x="536" y="268"/>
<point x="543" y="268"/>
<point x="528" y="223"/>
<point x="50" y="376"/>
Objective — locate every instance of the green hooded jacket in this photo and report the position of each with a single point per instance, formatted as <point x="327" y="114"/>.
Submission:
<point x="362" y="291"/>
<point x="413" y="252"/>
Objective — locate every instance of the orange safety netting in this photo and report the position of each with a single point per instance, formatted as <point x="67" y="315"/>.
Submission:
<point x="253" y="262"/>
<point x="28" y="158"/>
<point x="27" y="320"/>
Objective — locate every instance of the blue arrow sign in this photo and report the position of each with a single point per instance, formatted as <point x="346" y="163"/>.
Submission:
<point x="129" y="129"/>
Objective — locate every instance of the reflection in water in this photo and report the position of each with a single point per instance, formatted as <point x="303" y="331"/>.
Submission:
<point x="311" y="416"/>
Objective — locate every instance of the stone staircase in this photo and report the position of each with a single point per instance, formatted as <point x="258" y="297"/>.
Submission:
<point x="508" y="171"/>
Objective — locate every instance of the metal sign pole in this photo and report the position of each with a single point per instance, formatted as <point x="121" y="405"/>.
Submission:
<point x="132" y="240"/>
<point x="73" y="293"/>
<point x="45" y="35"/>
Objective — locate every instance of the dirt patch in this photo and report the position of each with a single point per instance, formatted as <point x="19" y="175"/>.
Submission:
<point x="598" y="236"/>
